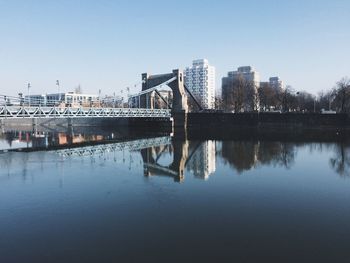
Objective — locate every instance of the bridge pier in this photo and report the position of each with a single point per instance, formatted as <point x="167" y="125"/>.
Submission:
<point x="180" y="119"/>
<point x="180" y="125"/>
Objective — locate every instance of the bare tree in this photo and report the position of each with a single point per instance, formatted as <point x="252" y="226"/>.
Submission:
<point x="239" y="95"/>
<point x="268" y="97"/>
<point x="324" y="100"/>
<point x="218" y="103"/>
<point x="342" y="95"/>
<point x="287" y="99"/>
<point x="306" y="102"/>
<point x="233" y="94"/>
<point x="251" y="98"/>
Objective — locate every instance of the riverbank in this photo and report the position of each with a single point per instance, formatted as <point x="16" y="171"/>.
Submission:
<point x="267" y="120"/>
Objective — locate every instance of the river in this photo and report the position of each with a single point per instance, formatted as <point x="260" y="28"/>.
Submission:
<point x="107" y="196"/>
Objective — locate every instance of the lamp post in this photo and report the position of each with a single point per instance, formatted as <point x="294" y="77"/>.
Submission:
<point x="59" y="94"/>
<point x="20" y="95"/>
<point x="315" y="104"/>
<point x="121" y="93"/>
<point x="28" y="86"/>
<point x="127" y="93"/>
<point x="298" y="101"/>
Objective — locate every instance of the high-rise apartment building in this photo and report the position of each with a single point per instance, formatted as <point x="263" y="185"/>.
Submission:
<point x="200" y="80"/>
<point x="248" y="73"/>
<point x="276" y="83"/>
<point x="240" y="90"/>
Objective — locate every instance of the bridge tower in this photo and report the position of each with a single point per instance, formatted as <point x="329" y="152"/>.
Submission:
<point x="175" y="81"/>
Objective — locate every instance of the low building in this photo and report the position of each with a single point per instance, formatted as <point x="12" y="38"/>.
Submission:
<point x="35" y="100"/>
<point x="70" y="99"/>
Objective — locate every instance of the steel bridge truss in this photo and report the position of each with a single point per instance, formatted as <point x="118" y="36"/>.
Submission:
<point x="67" y="112"/>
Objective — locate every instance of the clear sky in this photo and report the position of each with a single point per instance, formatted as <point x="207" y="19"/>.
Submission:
<point x="108" y="44"/>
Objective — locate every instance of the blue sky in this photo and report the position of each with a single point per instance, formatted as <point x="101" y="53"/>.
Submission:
<point x="108" y="44"/>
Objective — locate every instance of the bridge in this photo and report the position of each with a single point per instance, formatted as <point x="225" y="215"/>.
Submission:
<point x="151" y="149"/>
<point x="21" y="108"/>
<point x="13" y="112"/>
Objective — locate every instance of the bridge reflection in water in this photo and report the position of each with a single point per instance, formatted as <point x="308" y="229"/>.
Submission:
<point x="161" y="155"/>
<point x="197" y="157"/>
<point x="164" y="155"/>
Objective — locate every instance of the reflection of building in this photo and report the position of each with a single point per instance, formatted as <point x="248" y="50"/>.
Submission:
<point x="200" y="80"/>
<point x="203" y="161"/>
<point x="65" y="138"/>
<point x="40" y="139"/>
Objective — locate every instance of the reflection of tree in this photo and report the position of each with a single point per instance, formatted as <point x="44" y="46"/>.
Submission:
<point x="244" y="155"/>
<point x="341" y="162"/>
<point x="239" y="154"/>
<point x="276" y="153"/>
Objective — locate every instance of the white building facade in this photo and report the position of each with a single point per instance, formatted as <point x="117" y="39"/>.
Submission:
<point x="200" y="80"/>
<point x="70" y="99"/>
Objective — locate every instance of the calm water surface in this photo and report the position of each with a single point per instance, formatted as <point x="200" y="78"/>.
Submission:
<point x="172" y="200"/>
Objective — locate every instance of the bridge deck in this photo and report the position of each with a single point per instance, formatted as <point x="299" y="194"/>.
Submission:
<point x="67" y="112"/>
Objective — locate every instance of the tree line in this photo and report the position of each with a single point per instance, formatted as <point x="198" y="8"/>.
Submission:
<point x="241" y="95"/>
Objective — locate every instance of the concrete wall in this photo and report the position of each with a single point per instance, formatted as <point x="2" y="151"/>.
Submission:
<point x="268" y="119"/>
